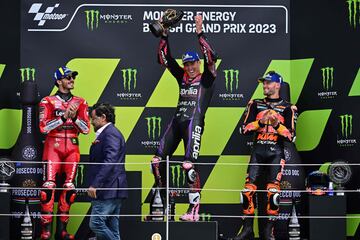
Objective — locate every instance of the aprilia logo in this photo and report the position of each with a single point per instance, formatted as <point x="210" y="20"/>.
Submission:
<point x="196" y="136"/>
<point x="47" y="15"/>
<point x="346" y="125"/>
<point x="27" y="74"/>
<point x="231" y="79"/>
<point x="153" y="127"/>
<point x="327" y="77"/>
<point x="129" y="78"/>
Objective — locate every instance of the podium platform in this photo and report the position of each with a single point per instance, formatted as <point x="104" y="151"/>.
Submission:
<point x="177" y="230"/>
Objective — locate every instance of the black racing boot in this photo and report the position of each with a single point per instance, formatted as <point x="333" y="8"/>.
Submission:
<point x="247" y="232"/>
<point x="61" y="232"/>
<point x="268" y="230"/>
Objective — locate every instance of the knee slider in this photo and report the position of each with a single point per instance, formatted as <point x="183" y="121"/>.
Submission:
<point x="191" y="174"/>
<point x="47" y="194"/>
<point x="70" y="193"/>
<point x="246" y="198"/>
<point x="273" y="193"/>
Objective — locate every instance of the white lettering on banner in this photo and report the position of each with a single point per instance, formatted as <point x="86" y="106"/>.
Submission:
<point x="216" y="16"/>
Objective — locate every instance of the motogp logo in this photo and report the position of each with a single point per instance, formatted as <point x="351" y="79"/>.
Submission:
<point x="47" y="15"/>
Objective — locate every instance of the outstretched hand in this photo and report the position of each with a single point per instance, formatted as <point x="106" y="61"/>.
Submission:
<point x="198" y="23"/>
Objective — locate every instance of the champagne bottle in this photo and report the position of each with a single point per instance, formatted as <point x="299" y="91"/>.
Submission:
<point x="26" y="225"/>
<point x="157" y="206"/>
<point x="294" y="226"/>
<point x="27" y="154"/>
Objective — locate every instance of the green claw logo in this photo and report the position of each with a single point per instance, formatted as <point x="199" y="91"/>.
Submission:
<point x="92" y="19"/>
<point x="177" y="174"/>
<point x="153" y="127"/>
<point x="205" y="217"/>
<point x="346" y="125"/>
<point x="79" y="174"/>
<point x="353" y="12"/>
<point x="327" y="77"/>
<point x="129" y="78"/>
<point x="231" y="75"/>
<point x="27" y="74"/>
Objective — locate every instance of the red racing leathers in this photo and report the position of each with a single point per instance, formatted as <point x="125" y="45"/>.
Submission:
<point x="61" y="153"/>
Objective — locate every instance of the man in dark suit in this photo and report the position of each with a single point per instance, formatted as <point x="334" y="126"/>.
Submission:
<point x="107" y="149"/>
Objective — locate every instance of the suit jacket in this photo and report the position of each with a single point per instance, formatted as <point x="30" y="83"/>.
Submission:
<point x="109" y="147"/>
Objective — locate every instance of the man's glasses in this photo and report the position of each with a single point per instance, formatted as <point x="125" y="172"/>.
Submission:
<point x="69" y="77"/>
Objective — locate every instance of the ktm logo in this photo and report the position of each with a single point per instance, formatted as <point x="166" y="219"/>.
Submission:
<point x="267" y="137"/>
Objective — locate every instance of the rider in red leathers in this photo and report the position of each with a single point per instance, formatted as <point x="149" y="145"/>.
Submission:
<point x="62" y="117"/>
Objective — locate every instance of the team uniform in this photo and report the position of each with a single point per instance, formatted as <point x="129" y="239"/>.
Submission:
<point x="268" y="148"/>
<point x="188" y="121"/>
<point x="61" y="146"/>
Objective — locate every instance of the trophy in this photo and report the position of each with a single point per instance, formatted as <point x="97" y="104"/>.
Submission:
<point x="7" y="170"/>
<point x="340" y="173"/>
<point x="169" y="19"/>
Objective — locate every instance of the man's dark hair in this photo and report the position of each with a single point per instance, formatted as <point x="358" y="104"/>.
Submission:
<point x="106" y="109"/>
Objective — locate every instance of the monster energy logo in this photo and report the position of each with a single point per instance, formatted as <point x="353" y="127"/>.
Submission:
<point x="129" y="78"/>
<point x="177" y="174"/>
<point x="230" y="76"/>
<point x="27" y="74"/>
<point x="327" y="77"/>
<point x="346" y="125"/>
<point x="79" y="174"/>
<point x="354" y="7"/>
<point x="205" y="217"/>
<point x="153" y="127"/>
<point x="92" y="19"/>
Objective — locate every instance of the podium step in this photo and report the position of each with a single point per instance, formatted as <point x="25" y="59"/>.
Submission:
<point x="177" y="230"/>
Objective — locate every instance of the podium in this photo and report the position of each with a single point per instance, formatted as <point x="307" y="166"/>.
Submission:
<point x="5" y="220"/>
<point x="177" y="230"/>
<point x="327" y="228"/>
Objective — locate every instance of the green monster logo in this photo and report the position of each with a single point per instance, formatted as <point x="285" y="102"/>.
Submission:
<point x="353" y="7"/>
<point x="153" y="127"/>
<point x="177" y="173"/>
<point x="346" y="125"/>
<point x="205" y="217"/>
<point x="92" y="19"/>
<point x="230" y="76"/>
<point x="327" y="77"/>
<point x="129" y="78"/>
<point x="27" y="74"/>
<point x="79" y="174"/>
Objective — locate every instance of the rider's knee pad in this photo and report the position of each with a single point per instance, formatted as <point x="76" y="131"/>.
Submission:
<point x="246" y="198"/>
<point x="273" y="199"/>
<point x="191" y="174"/>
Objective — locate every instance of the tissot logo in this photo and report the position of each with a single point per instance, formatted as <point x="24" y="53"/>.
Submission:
<point x="42" y="17"/>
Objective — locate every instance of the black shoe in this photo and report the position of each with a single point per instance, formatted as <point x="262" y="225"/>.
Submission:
<point x="247" y="232"/>
<point x="268" y="230"/>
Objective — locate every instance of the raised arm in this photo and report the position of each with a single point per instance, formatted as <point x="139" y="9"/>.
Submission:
<point x="165" y="59"/>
